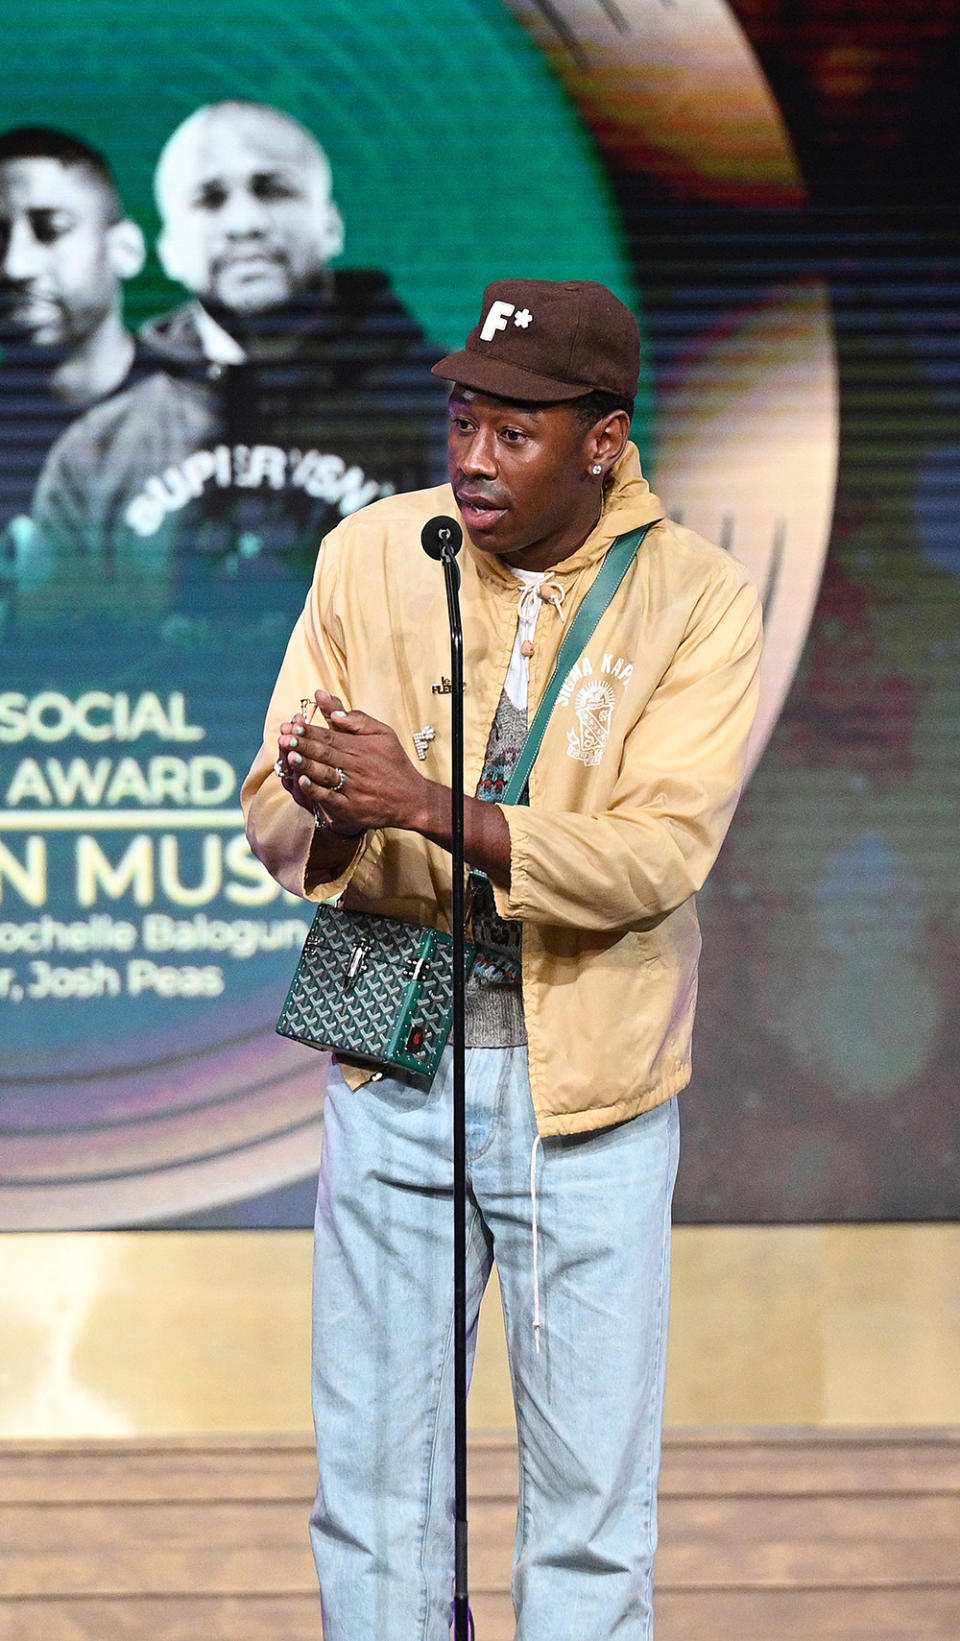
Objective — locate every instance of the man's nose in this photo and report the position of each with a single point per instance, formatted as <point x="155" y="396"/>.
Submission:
<point x="243" y="213"/>
<point x="479" y="454"/>
<point x="21" y="255"/>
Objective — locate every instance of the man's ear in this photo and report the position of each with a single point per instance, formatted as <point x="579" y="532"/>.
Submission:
<point x="127" y="248"/>
<point x="173" y="263"/>
<point x="333" y="233"/>
<point x="607" y="439"/>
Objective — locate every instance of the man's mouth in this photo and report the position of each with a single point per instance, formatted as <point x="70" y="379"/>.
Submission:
<point x="250" y="261"/>
<point x="479" y="511"/>
<point x="29" y="307"/>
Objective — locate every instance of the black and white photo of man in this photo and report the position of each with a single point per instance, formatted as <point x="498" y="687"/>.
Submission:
<point x="66" y="248"/>
<point x="246" y="198"/>
<point x="199" y="497"/>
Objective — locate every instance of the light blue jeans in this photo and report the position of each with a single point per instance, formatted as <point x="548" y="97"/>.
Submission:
<point x="589" y="1401"/>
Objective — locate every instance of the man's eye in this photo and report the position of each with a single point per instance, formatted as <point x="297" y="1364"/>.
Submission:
<point x="211" y="198"/>
<point x="49" y="226"/>
<point x="512" y="435"/>
<point x="271" y="187"/>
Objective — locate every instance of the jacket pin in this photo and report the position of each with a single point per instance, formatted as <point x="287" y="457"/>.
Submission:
<point x="422" y="739"/>
<point x="443" y="688"/>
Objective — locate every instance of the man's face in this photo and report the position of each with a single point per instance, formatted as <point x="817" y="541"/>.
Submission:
<point x="520" y="476"/>
<point x="57" y="282"/>
<point x="248" y="217"/>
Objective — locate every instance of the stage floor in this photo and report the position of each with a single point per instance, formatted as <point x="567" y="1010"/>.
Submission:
<point x="778" y="1535"/>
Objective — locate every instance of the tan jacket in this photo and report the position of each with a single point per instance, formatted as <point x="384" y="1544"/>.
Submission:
<point x="630" y="796"/>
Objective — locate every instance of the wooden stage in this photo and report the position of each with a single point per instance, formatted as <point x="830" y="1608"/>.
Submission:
<point x="776" y="1535"/>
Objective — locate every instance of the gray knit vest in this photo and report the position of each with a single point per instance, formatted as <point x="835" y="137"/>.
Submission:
<point x="494" y="1001"/>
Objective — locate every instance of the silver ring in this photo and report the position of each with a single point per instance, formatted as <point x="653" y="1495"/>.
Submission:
<point x="341" y="782"/>
<point x="280" y="769"/>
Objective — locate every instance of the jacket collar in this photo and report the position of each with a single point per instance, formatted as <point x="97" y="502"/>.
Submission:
<point x="628" y="503"/>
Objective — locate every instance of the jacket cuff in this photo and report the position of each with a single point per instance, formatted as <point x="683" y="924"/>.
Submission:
<point x="511" y="903"/>
<point x="326" y="879"/>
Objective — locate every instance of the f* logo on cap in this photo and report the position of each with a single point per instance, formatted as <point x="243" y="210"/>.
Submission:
<point x="497" y="316"/>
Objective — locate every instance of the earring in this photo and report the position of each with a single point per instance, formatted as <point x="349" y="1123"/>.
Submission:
<point x="597" y="469"/>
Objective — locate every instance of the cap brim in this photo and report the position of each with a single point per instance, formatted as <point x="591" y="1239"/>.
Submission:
<point x="506" y="381"/>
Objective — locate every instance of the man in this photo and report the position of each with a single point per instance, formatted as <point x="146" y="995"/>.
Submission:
<point x="66" y="248"/>
<point x="579" y="1033"/>
<point x="249" y="222"/>
<point x="272" y="412"/>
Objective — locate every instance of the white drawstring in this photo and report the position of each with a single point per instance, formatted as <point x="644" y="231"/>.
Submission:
<point x="529" y="603"/>
<point x="528" y="608"/>
<point x="530" y="600"/>
<point x="536" y="1244"/>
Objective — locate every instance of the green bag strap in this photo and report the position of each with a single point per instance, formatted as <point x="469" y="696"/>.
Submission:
<point x="612" y="571"/>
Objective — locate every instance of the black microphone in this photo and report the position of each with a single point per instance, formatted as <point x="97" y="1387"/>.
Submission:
<point x="441" y="538"/>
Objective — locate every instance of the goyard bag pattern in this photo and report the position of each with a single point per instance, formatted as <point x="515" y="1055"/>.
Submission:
<point x="373" y="989"/>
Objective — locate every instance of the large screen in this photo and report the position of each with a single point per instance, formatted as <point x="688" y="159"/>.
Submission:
<point x="232" y="246"/>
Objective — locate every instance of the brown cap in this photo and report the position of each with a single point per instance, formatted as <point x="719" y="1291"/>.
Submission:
<point x="540" y="339"/>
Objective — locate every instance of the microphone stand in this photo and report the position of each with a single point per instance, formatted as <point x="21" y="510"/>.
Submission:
<point x="444" y="545"/>
<point x="462" y="1619"/>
